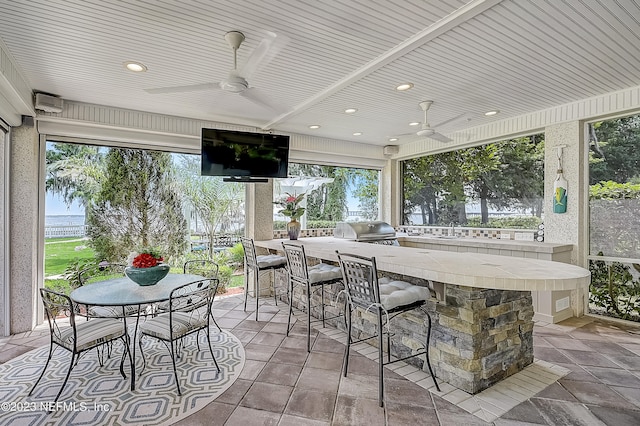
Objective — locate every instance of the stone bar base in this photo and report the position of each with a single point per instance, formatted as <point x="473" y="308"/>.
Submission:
<point x="478" y="336"/>
<point x="482" y="336"/>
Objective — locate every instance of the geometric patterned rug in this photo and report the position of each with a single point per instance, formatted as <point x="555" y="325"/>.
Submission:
<point x="97" y="395"/>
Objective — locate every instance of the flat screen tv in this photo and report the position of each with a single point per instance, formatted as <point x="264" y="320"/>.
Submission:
<point x="242" y="155"/>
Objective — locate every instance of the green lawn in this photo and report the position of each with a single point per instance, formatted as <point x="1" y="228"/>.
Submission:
<point x="58" y="252"/>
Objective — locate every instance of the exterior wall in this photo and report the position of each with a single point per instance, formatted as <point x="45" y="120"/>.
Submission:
<point x="24" y="219"/>
<point x="4" y="232"/>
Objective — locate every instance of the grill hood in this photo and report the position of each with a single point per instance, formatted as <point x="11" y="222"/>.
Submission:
<point x="364" y="231"/>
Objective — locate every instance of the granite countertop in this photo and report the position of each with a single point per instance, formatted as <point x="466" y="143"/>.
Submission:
<point x="465" y="269"/>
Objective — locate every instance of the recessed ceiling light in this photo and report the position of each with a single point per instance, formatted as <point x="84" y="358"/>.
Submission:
<point x="414" y="123"/>
<point x="314" y="126"/>
<point x="350" y="110"/>
<point x="494" y="112"/>
<point x="357" y="134"/>
<point x="135" y="66"/>
<point x="404" y="86"/>
<point x="393" y="139"/>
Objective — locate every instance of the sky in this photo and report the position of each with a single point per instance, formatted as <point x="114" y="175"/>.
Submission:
<point x="55" y="206"/>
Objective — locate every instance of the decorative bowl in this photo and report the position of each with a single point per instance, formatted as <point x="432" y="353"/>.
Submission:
<point x="147" y="276"/>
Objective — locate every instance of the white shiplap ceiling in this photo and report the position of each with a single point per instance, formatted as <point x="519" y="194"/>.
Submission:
<point x="516" y="56"/>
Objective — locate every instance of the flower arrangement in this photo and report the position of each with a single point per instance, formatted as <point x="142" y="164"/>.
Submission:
<point x="145" y="258"/>
<point x="291" y="205"/>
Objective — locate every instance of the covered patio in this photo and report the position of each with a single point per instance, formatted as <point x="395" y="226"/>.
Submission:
<point x="330" y="76"/>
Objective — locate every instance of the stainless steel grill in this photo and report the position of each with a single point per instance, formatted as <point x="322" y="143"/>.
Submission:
<point x="375" y="232"/>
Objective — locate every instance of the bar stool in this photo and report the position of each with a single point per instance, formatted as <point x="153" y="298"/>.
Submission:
<point x="360" y="277"/>
<point x="258" y="264"/>
<point x="316" y="276"/>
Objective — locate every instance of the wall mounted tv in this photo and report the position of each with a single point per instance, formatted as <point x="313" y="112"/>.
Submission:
<point x="244" y="155"/>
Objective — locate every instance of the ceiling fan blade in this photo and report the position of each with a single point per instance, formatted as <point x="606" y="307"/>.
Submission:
<point x="268" y="48"/>
<point x="180" y="89"/>
<point x="439" y="137"/>
<point x="257" y="97"/>
<point x="467" y="116"/>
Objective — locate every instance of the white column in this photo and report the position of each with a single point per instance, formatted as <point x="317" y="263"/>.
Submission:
<point x="24" y="219"/>
<point x="390" y="193"/>
<point x="259" y="210"/>
<point x="4" y="234"/>
<point x="570" y="227"/>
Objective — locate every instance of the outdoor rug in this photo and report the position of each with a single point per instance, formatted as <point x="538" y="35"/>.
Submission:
<point x="97" y="395"/>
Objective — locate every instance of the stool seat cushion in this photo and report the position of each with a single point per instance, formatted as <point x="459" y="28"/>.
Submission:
<point x="271" y="261"/>
<point x="400" y="293"/>
<point x="324" y="272"/>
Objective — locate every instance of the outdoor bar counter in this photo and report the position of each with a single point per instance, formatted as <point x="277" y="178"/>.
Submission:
<point x="483" y="328"/>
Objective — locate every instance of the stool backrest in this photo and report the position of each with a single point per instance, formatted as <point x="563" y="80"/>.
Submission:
<point x="297" y="262"/>
<point x="360" y="277"/>
<point x="249" y="253"/>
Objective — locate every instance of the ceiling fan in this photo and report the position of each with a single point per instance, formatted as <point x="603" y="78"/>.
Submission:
<point x="429" y="131"/>
<point x="237" y="82"/>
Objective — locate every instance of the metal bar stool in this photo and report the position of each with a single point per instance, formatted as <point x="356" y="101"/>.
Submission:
<point x="315" y="276"/>
<point x="360" y="277"/>
<point x="259" y="264"/>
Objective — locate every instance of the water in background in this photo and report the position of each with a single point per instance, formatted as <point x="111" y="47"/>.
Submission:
<point x="63" y="220"/>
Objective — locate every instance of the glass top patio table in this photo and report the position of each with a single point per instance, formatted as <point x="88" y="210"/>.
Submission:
<point x="122" y="291"/>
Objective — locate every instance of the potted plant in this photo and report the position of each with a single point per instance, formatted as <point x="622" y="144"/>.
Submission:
<point x="291" y="208"/>
<point x="145" y="267"/>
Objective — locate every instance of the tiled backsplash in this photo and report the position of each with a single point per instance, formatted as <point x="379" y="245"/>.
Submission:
<point x="464" y="232"/>
<point x="321" y="232"/>
<point x="461" y="232"/>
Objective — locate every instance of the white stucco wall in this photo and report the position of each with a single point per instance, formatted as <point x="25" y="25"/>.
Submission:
<point x="24" y="218"/>
<point x="4" y="232"/>
<point x="569" y="227"/>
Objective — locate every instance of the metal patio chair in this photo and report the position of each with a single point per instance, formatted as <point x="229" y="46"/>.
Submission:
<point x="78" y="337"/>
<point x="360" y="277"/>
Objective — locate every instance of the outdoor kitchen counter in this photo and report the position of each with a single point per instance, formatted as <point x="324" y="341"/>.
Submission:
<point x="463" y="269"/>
<point x="483" y="316"/>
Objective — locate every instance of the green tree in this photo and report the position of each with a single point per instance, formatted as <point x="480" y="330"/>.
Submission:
<point x="217" y="203"/>
<point x="138" y="205"/>
<point x="437" y="184"/>
<point x="74" y="171"/>
<point x="366" y="184"/>
<point x="614" y="153"/>
<point x="511" y="176"/>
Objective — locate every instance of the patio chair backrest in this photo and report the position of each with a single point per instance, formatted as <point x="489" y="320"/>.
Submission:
<point x="101" y="272"/>
<point x="206" y="268"/>
<point x="360" y="277"/>
<point x="56" y="307"/>
<point x="191" y="298"/>
<point x="297" y="262"/>
<point x="250" y="256"/>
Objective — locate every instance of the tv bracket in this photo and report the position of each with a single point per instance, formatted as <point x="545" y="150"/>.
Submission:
<point x="245" y="179"/>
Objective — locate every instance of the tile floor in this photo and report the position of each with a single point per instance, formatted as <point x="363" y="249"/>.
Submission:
<point x="587" y="372"/>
